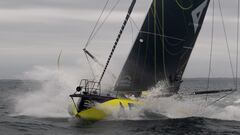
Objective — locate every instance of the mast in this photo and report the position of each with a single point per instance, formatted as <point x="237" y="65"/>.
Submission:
<point x="163" y="46"/>
<point x="118" y="38"/>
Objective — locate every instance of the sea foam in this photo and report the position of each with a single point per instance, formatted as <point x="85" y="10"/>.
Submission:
<point x="52" y="100"/>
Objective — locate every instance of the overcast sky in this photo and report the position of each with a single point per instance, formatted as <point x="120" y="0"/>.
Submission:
<point x="32" y="33"/>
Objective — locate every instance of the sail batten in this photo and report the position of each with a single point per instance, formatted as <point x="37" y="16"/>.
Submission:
<point x="163" y="45"/>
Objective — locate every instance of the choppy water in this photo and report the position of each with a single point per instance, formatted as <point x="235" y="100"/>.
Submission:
<point x="26" y="108"/>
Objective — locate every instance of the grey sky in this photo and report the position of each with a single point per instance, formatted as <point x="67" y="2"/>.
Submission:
<point x="32" y="32"/>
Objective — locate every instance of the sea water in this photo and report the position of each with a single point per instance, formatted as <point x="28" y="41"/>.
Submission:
<point x="39" y="106"/>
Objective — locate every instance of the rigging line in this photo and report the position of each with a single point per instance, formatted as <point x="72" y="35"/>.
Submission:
<point x="139" y="48"/>
<point x="214" y="102"/>
<point x="135" y="24"/>
<point x="156" y="27"/>
<point x="146" y="32"/>
<point x="160" y="35"/>
<point x="137" y="60"/>
<point x="105" y="19"/>
<point x="98" y="62"/>
<point x="237" y="44"/>
<point x="94" y="77"/>
<point x="118" y="38"/>
<point x="155" y="41"/>
<point x="226" y="38"/>
<point x="163" y="41"/>
<point x="94" y="34"/>
<point x="236" y="61"/>
<point x="132" y="30"/>
<point x="230" y="59"/>
<point x="163" y="29"/>
<point x="211" y="50"/>
<point x="160" y="28"/>
<point x="95" y="26"/>
<point x="146" y="49"/>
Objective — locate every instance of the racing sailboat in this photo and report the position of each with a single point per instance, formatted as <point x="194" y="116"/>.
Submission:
<point x="160" y="53"/>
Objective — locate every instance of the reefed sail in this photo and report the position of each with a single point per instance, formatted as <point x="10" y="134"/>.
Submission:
<point x="163" y="46"/>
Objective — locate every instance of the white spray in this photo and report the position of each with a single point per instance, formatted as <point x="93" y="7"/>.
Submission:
<point x="180" y="107"/>
<point x="52" y="100"/>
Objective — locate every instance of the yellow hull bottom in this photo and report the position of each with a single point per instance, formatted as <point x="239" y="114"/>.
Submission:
<point x="103" y="110"/>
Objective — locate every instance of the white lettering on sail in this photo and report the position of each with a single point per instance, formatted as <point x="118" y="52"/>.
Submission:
<point x="197" y="13"/>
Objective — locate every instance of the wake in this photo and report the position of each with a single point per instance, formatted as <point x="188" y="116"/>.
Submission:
<point x="52" y="100"/>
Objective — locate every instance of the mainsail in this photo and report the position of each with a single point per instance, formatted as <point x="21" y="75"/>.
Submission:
<point x="163" y="46"/>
